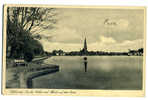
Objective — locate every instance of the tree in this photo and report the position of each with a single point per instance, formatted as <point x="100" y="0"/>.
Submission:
<point x="140" y="50"/>
<point x="54" y="52"/>
<point x="28" y="56"/>
<point x="37" y="47"/>
<point x="32" y="18"/>
<point x="24" y="22"/>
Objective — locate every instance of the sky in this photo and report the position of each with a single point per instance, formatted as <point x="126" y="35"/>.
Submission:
<point x="104" y="29"/>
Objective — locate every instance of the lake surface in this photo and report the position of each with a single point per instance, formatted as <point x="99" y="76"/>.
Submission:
<point x="99" y="72"/>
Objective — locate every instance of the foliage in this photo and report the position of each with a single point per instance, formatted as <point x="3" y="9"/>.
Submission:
<point x="140" y="50"/>
<point x="28" y="56"/>
<point x="22" y="24"/>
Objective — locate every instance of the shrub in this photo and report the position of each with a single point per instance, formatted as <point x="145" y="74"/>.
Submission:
<point x="28" y="56"/>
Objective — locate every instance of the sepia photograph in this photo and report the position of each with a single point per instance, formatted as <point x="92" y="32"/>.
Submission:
<point x="74" y="50"/>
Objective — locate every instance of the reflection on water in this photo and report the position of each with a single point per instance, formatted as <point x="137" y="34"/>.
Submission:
<point x="85" y="63"/>
<point x="93" y="72"/>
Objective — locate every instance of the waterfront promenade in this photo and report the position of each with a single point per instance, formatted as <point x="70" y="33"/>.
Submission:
<point x="21" y="76"/>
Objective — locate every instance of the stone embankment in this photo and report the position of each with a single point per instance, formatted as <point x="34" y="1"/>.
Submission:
<point x="26" y="77"/>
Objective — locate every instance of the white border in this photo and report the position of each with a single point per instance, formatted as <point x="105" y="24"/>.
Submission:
<point x="72" y="2"/>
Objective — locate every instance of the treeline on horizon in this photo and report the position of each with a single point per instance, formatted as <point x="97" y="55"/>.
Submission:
<point x="22" y="24"/>
<point x="138" y="52"/>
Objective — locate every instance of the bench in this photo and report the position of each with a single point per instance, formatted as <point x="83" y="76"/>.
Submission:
<point x="20" y="62"/>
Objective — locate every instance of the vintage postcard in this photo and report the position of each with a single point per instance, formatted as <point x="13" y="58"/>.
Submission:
<point x="74" y="50"/>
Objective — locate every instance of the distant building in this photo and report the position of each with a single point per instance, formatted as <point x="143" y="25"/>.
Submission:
<point x="85" y="46"/>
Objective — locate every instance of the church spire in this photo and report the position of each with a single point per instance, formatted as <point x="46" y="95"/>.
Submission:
<point x="85" y="46"/>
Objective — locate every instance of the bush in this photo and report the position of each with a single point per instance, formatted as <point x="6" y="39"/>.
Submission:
<point x="28" y="56"/>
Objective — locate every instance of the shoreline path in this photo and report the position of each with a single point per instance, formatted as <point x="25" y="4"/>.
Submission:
<point x="21" y="76"/>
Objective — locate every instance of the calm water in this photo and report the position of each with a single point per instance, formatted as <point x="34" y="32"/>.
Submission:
<point x="101" y="72"/>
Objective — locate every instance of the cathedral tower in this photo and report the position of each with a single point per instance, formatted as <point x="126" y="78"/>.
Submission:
<point x="85" y="46"/>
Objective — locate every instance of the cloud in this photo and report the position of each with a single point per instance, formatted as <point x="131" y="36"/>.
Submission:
<point x="123" y="24"/>
<point x="66" y="35"/>
<point x="50" y="46"/>
<point x="114" y="46"/>
<point x="107" y="40"/>
<point x="76" y="24"/>
<point x="96" y="46"/>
